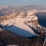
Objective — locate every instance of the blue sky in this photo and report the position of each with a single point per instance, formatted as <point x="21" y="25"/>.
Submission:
<point x="17" y="3"/>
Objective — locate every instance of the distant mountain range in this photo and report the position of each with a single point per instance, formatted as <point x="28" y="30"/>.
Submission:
<point x="8" y="9"/>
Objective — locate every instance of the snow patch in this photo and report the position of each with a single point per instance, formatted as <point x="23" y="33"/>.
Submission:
<point x="11" y="45"/>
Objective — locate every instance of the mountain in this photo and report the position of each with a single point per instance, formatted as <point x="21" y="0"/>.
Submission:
<point x="8" y="9"/>
<point x="18" y="24"/>
<point x="5" y="10"/>
<point x="23" y="23"/>
<point x="30" y="7"/>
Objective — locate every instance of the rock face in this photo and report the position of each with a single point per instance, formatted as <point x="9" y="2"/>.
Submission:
<point x="14" y="39"/>
<point x="45" y="44"/>
<point x="8" y="37"/>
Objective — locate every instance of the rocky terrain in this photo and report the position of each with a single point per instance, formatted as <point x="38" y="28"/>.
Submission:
<point x="23" y="27"/>
<point x="15" y="39"/>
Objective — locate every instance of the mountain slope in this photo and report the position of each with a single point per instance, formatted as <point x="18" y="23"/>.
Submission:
<point x="21" y="20"/>
<point x="11" y="38"/>
<point x="19" y="24"/>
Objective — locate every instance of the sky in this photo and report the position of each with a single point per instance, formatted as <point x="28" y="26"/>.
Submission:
<point x="16" y="3"/>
